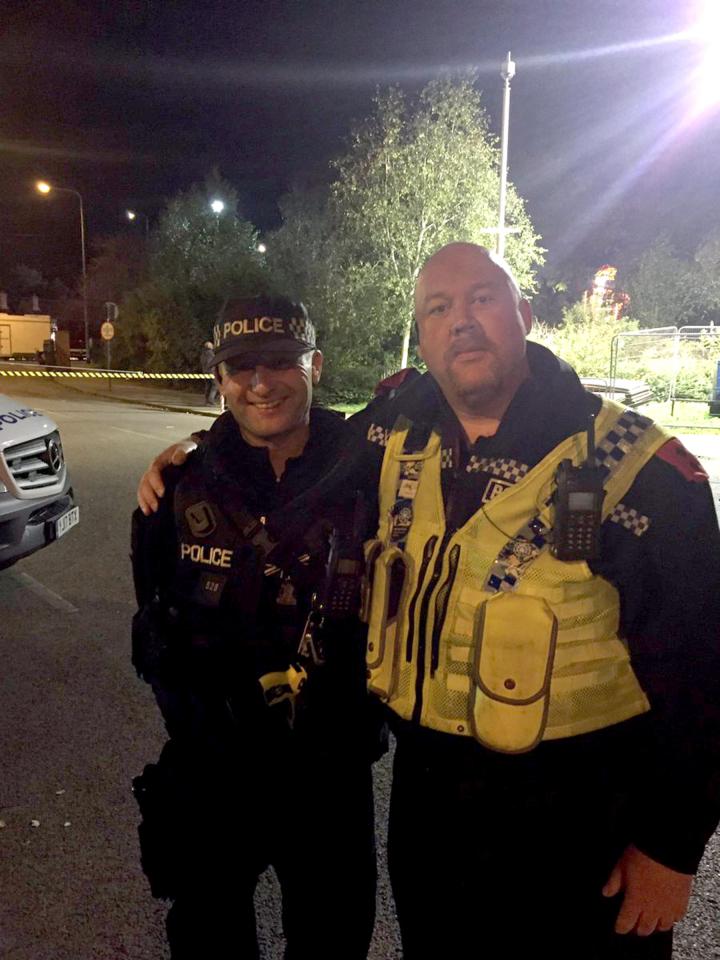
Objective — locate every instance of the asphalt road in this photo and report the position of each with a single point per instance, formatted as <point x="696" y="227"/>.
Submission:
<point x="78" y="725"/>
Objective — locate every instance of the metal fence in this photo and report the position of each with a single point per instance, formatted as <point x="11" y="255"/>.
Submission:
<point x="679" y="363"/>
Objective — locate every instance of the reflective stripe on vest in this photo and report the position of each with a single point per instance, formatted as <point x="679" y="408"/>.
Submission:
<point x="540" y="661"/>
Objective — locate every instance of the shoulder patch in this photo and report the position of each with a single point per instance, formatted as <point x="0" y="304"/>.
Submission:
<point x="390" y="384"/>
<point x="674" y="453"/>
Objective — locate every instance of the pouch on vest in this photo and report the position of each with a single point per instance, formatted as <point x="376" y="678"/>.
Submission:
<point x="515" y="639"/>
<point x="373" y="549"/>
<point x="388" y="582"/>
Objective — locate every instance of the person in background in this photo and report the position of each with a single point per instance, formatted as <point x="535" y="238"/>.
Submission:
<point x="207" y="355"/>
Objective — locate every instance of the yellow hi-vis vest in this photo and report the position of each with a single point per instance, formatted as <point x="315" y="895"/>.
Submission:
<point x="481" y="632"/>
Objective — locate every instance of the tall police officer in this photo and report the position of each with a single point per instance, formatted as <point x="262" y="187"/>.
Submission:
<point x="268" y="760"/>
<point x="543" y="626"/>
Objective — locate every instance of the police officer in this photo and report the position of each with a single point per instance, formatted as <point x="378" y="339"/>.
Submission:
<point x="543" y="630"/>
<point x="552" y="664"/>
<point x="269" y="756"/>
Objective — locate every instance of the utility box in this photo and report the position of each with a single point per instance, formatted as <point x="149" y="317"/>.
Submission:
<point x="23" y="334"/>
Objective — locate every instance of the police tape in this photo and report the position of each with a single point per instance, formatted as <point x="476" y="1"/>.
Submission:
<point x="105" y="375"/>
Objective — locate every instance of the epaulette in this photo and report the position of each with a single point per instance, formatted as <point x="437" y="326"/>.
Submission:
<point x="674" y="453"/>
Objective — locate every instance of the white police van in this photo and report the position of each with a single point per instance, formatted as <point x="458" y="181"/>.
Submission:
<point x="37" y="505"/>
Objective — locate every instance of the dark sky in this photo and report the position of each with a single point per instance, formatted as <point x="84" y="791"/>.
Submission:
<point x="131" y="100"/>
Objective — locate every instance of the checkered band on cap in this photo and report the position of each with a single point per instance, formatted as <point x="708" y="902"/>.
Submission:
<point x="262" y="325"/>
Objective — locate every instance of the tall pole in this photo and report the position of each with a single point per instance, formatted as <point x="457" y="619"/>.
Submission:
<point x="507" y="72"/>
<point x="84" y="277"/>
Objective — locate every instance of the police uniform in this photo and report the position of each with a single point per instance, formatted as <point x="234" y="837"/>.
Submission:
<point x="547" y="713"/>
<point x="268" y="761"/>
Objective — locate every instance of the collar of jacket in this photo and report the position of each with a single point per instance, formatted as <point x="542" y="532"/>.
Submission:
<point x="228" y="452"/>
<point x="551" y="402"/>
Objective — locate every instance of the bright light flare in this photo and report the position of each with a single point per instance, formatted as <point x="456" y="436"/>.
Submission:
<point x="43" y="187"/>
<point x="130" y="214"/>
<point x="217" y="206"/>
<point x="261" y="248"/>
<point x="706" y="32"/>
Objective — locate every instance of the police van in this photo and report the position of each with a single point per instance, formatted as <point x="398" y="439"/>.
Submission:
<point x="37" y="505"/>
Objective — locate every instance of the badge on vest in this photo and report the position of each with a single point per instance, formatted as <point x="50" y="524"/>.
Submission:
<point x="209" y="589"/>
<point x="286" y="594"/>
<point x="209" y="556"/>
<point x="494" y="488"/>
<point x="200" y="519"/>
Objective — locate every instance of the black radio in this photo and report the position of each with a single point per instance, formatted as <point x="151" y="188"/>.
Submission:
<point x="578" y="506"/>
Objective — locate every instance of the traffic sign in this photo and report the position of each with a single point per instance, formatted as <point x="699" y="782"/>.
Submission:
<point x="107" y="331"/>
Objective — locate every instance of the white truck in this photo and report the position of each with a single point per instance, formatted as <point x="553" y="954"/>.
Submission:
<point x="23" y="334"/>
<point x="37" y="504"/>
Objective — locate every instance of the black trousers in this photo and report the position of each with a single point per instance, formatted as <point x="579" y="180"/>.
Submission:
<point x="504" y="858"/>
<point x="308" y="817"/>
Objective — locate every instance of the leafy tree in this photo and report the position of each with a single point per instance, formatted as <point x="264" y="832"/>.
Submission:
<point x="662" y="289"/>
<point x="197" y="258"/>
<point x="417" y="174"/>
<point x="707" y="260"/>
<point x="118" y="267"/>
<point x="196" y="248"/>
<point x="27" y="279"/>
<point x="583" y="338"/>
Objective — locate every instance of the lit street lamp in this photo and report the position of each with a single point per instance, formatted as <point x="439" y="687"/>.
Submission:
<point x="261" y="248"/>
<point x="217" y="206"/>
<point x="133" y="215"/>
<point x="507" y="72"/>
<point x="45" y="188"/>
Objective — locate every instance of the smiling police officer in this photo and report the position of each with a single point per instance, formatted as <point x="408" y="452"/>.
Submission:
<point x="269" y="756"/>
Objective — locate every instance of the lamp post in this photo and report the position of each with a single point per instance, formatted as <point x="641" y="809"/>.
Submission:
<point x="133" y="215"/>
<point x="507" y="72"/>
<point x="44" y="187"/>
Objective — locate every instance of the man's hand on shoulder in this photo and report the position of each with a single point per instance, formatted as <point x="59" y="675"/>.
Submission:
<point x="655" y="897"/>
<point x="151" y="485"/>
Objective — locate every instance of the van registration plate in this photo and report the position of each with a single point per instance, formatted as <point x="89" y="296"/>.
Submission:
<point x="66" y="522"/>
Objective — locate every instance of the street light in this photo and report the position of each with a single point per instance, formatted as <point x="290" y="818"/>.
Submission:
<point x="42" y="186"/>
<point x="507" y="72"/>
<point x="133" y="215"/>
<point x="217" y="206"/>
<point x="261" y="248"/>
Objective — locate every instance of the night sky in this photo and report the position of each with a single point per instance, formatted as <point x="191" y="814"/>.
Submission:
<point x="130" y="100"/>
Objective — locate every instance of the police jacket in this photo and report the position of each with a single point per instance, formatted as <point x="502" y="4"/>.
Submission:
<point x="481" y="631"/>
<point x="660" y="567"/>
<point x="219" y="623"/>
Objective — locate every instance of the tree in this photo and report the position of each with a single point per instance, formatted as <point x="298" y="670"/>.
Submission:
<point x="197" y="258"/>
<point x="707" y="259"/>
<point x="118" y="267"/>
<point x="416" y="175"/>
<point x="661" y="287"/>
<point x="194" y="247"/>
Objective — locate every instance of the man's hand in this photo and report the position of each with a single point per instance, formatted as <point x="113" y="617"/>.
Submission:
<point x="151" y="484"/>
<point x="655" y="898"/>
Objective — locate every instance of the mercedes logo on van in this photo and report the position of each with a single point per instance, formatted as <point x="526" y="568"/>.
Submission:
<point x="54" y="454"/>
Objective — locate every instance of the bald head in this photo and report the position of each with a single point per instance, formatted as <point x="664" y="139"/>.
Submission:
<point x="472" y="323"/>
<point x="458" y="253"/>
